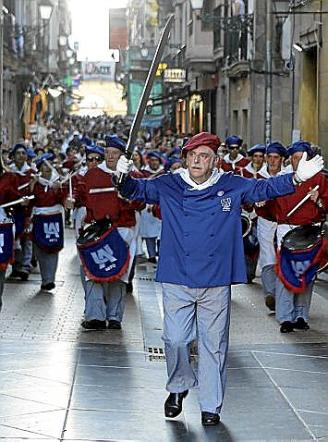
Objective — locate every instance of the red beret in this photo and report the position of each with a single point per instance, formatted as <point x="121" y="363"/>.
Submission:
<point x="202" y="139"/>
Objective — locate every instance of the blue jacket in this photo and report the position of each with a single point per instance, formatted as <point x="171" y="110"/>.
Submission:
<point x="201" y="242"/>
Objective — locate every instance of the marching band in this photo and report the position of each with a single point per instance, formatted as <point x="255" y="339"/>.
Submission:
<point x="164" y="196"/>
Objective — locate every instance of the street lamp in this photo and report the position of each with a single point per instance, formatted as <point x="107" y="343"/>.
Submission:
<point x="45" y="8"/>
<point x="196" y="5"/>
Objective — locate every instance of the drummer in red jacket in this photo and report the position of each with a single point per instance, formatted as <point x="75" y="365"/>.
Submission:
<point x="292" y="310"/>
<point x="23" y="252"/>
<point x="8" y="193"/>
<point x="47" y="219"/>
<point x="234" y="160"/>
<point x="96" y="191"/>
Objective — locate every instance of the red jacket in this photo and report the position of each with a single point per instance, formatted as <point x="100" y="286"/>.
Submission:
<point x="50" y="197"/>
<point x="9" y="188"/>
<point x="308" y="213"/>
<point x="98" y="194"/>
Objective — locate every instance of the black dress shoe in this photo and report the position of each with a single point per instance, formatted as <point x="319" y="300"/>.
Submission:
<point x="49" y="286"/>
<point x="210" y="419"/>
<point x="24" y="276"/>
<point x="286" y="327"/>
<point x="301" y="324"/>
<point x="94" y="324"/>
<point x="114" y="325"/>
<point x="173" y="404"/>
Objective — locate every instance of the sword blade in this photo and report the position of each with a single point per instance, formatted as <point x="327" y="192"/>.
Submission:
<point x="147" y="88"/>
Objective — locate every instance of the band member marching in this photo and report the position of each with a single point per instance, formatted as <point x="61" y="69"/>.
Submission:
<point x="266" y="225"/>
<point x="233" y="161"/>
<point x="105" y="261"/>
<point x="23" y="245"/>
<point x="47" y="219"/>
<point x="8" y="192"/>
<point x="251" y="244"/>
<point x="293" y="301"/>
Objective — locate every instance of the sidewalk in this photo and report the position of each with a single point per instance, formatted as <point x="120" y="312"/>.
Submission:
<point x="59" y="383"/>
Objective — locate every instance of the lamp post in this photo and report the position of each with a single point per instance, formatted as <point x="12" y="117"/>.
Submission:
<point x="45" y="10"/>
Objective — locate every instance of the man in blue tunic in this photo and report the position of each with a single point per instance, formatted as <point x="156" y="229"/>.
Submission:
<point x="201" y="256"/>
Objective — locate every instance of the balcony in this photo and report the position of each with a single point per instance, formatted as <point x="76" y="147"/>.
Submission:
<point x="237" y="38"/>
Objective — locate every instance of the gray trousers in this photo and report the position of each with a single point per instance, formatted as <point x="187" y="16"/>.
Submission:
<point x="202" y="314"/>
<point x="289" y="307"/>
<point x="48" y="263"/>
<point x="2" y="285"/>
<point x="268" y="277"/>
<point x="23" y="256"/>
<point x="103" y="300"/>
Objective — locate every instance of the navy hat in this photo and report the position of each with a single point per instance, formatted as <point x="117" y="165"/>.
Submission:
<point x="233" y="140"/>
<point x="45" y="157"/>
<point x="18" y="146"/>
<point x="115" y="141"/>
<point x="276" y="147"/>
<point x="87" y="141"/>
<point x="257" y="148"/>
<point x="170" y="161"/>
<point x="30" y="153"/>
<point x="175" y="152"/>
<point x="154" y="154"/>
<point x="301" y="146"/>
<point x="93" y="148"/>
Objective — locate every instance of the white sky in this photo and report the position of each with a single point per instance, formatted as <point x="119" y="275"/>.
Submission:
<point x="90" y="27"/>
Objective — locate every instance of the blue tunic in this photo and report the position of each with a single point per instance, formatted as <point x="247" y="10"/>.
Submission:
<point x="201" y="242"/>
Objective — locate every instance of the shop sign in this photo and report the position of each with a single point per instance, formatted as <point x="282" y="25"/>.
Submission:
<point x="174" y="75"/>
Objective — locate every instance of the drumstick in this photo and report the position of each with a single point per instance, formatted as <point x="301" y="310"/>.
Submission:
<point x="20" y="200"/>
<point x="70" y="188"/>
<point x="303" y="200"/>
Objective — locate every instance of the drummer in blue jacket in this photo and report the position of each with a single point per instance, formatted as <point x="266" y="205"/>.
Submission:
<point x="201" y="256"/>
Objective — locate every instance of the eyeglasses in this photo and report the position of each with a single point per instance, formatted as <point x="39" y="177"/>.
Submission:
<point x="91" y="159"/>
<point x="201" y="156"/>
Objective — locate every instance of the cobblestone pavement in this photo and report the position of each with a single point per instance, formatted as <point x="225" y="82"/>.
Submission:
<point x="59" y="383"/>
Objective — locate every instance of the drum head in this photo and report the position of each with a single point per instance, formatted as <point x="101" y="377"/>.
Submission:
<point x="302" y="237"/>
<point x="93" y="232"/>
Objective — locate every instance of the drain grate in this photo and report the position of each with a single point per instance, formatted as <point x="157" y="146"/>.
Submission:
<point x="158" y="354"/>
<point x="145" y="278"/>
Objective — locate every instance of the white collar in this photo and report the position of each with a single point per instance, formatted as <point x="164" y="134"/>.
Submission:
<point x="148" y="169"/>
<point x="250" y="168"/>
<point x="228" y="160"/>
<point x="25" y="168"/>
<point x="214" y="178"/>
<point x="103" y="166"/>
<point x="265" y="174"/>
<point x="49" y="183"/>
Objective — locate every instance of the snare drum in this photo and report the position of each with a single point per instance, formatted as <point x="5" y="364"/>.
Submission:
<point x="303" y="253"/>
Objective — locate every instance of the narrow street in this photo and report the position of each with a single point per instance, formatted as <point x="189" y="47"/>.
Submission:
<point x="61" y="383"/>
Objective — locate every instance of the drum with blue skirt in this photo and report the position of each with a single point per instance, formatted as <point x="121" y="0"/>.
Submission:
<point x="303" y="253"/>
<point x="48" y="232"/>
<point x="6" y="243"/>
<point x="103" y="252"/>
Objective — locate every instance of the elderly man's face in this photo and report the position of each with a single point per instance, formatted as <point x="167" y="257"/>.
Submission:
<point x="200" y="163"/>
<point x="112" y="155"/>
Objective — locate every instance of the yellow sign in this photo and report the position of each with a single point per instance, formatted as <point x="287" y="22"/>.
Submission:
<point x="160" y="69"/>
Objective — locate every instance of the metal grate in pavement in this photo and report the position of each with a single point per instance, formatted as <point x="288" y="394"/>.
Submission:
<point x="158" y="354"/>
<point x="145" y="278"/>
